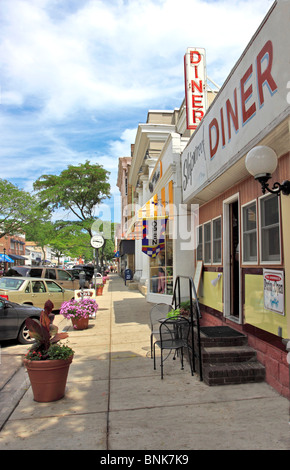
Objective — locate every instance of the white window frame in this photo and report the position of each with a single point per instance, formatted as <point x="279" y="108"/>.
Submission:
<point x="221" y="239"/>
<point x="254" y="263"/>
<point x="269" y="262"/>
<point x="204" y="260"/>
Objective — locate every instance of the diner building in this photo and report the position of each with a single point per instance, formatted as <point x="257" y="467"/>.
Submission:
<point x="242" y="233"/>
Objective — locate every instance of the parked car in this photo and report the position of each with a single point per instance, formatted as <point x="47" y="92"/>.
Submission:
<point x="12" y="320"/>
<point x="87" y="268"/>
<point x="75" y="272"/>
<point x="34" y="291"/>
<point x="63" y="278"/>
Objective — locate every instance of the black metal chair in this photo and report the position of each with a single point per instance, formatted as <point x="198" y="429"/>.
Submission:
<point x="174" y="334"/>
<point x="159" y="311"/>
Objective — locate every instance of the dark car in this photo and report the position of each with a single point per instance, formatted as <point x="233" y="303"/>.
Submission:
<point x="88" y="269"/>
<point x="12" y="320"/>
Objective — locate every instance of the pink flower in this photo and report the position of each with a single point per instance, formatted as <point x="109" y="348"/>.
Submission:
<point x="79" y="308"/>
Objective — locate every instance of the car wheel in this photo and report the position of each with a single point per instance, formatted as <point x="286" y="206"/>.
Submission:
<point x="23" y="335"/>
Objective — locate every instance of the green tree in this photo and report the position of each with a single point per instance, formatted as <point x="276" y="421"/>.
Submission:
<point x="106" y="252"/>
<point x="71" y="240"/>
<point x="78" y="189"/>
<point x="18" y="209"/>
<point x="41" y="232"/>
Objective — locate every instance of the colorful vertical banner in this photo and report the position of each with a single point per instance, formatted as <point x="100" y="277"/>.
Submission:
<point x="153" y="235"/>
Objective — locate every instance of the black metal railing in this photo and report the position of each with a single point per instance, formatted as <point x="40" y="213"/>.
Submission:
<point x="195" y="316"/>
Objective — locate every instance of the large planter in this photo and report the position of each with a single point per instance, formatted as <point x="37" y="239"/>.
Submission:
<point x="99" y="290"/>
<point x="80" y="323"/>
<point x="48" y="378"/>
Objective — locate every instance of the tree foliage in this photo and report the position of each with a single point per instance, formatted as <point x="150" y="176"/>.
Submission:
<point x="77" y="189"/>
<point x="18" y="209"/>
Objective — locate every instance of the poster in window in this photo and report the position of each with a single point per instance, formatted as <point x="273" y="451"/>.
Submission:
<point x="274" y="290"/>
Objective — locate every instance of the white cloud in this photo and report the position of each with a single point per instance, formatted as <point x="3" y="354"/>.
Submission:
<point x="122" y="147"/>
<point x="116" y="53"/>
<point x="77" y="77"/>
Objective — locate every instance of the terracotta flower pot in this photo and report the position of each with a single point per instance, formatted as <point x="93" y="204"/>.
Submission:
<point x="80" y="323"/>
<point x="100" y="290"/>
<point x="48" y="378"/>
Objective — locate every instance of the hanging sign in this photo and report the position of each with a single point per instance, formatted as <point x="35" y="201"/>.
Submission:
<point x="274" y="290"/>
<point x="153" y="235"/>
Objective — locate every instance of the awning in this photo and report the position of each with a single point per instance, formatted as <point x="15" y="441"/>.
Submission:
<point x="127" y="247"/>
<point x="6" y="258"/>
<point x="16" y="257"/>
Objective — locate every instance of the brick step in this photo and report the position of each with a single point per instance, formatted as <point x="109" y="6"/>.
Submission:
<point x="227" y="358"/>
<point x="233" y="373"/>
<point x="228" y="354"/>
<point x="223" y="337"/>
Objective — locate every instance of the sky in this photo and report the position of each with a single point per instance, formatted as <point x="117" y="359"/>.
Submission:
<point x="78" y="76"/>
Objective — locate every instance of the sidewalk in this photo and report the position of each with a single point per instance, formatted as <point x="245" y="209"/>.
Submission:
<point x="116" y="401"/>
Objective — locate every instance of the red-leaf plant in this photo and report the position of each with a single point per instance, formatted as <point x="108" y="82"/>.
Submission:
<point x="44" y="332"/>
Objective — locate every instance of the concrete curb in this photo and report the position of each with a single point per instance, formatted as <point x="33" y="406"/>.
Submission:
<point x="12" y="393"/>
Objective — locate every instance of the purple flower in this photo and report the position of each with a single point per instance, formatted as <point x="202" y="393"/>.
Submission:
<point x="79" y="308"/>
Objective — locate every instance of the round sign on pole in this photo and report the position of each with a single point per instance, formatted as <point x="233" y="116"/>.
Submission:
<point x="97" y="241"/>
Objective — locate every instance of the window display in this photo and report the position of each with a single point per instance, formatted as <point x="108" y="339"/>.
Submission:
<point x="161" y="270"/>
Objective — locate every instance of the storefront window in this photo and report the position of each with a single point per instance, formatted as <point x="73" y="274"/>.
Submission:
<point x="207" y="242"/>
<point x="161" y="270"/>
<point x="217" y="240"/>
<point x="250" y="233"/>
<point x="270" y="229"/>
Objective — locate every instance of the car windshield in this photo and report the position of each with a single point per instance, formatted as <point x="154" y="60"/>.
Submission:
<point x="10" y="283"/>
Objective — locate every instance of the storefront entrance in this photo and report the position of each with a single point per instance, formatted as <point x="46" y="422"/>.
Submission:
<point x="231" y="250"/>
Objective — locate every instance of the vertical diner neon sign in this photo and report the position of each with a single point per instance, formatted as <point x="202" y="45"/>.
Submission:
<point x="195" y="82"/>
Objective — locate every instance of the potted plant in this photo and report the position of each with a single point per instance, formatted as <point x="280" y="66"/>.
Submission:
<point x="79" y="311"/>
<point x="47" y="362"/>
<point x="99" y="289"/>
<point x="174" y="313"/>
<point x="185" y="307"/>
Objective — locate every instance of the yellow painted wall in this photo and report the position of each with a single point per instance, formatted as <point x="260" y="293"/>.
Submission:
<point x="211" y="296"/>
<point x="285" y="209"/>
<point x="255" y="313"/>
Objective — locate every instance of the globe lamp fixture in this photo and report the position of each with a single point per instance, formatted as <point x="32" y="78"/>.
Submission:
<point x="261" y="162"/>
